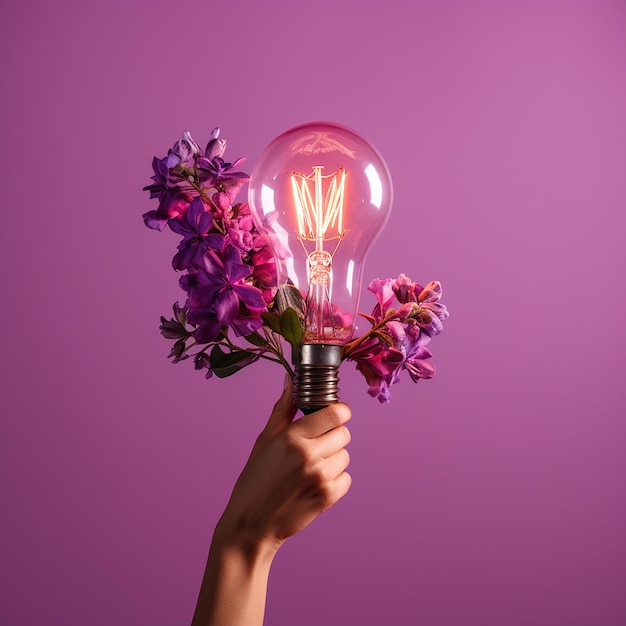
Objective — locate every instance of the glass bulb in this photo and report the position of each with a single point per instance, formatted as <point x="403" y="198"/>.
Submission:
<point x="322" y="194"/>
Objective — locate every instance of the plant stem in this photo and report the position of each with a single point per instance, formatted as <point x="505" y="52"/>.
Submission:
<point x="350" y="347"/>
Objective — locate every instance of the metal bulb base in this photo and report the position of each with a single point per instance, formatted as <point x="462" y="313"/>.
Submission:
<point x="316" y="380"/>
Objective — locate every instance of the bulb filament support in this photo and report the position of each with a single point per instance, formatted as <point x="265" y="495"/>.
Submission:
<point x="319" y="207"/>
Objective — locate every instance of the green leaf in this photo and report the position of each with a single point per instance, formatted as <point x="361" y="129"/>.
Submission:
<point x="226" y="364"/>
<point x="272" y="321"/>
<point x="219" y="358"/>
<point x="225" y="372"/>
<point x="178" y="351"/>
<point x="182" y="316"/>
<point x="291" y="327"/>
<point x="256" y="340"/>
<point x="172" y="329"/>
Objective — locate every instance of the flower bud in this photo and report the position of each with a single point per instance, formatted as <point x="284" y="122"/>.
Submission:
<point x="216" y="146"/>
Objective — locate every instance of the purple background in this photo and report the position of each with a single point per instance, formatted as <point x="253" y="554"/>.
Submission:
<point x="492" y="495"/>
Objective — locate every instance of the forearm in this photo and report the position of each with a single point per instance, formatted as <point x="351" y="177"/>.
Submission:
<point x="234" y="586"/>
<point x="296" y="470"/>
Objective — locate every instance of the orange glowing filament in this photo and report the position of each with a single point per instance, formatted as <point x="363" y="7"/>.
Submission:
<point x="318" y="212"/>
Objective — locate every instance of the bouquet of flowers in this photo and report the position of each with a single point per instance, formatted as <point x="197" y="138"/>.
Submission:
<point x="235" y="313"/>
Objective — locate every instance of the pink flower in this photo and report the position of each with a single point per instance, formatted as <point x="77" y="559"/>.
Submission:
<point x="380" y="367"/>
<point x="240" y="228"/>
<point x="383" y="291"/>
<point x="431" y="313"/>
<point x="405" y="289"/>
<point x="264" y="271"/>
<point x="399" y="337"/>
<point x="417" y="367"/>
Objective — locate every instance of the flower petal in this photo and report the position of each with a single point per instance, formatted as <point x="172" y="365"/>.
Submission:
<point x="209" y="330"/>
<point x="418" y="368"/>
<point x="226" y="306"/>
<point x="430" y="293"/>
<point x="438" y="309"/>
<point x="383" y="291"/>
<point x="250" y="296"/>
<point x="154" y="220"/>
<point x="184" y="258"/>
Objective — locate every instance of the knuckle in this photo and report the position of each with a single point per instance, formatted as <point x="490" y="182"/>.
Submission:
<point x="326" y="496"/>
<point x="338" y="413"/>
<point x="347" y="457"/>
<point x="295" y="448"/>
<point x="347" y="482"/>
<point x="345" y="434"/>
<point x="291" y="441"/>
<point x="317" y="473"/>
<point x="344" y="411"/>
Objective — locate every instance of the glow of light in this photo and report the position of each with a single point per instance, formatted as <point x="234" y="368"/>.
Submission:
<point x="267" y="199"/>
<point x="349" y="276"/>
<point x="291" y="271"/>
<point x="317" y="213"/>
<point x="376" y="186"/>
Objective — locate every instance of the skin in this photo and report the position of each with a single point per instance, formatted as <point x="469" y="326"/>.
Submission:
<point x="295" y="472"/>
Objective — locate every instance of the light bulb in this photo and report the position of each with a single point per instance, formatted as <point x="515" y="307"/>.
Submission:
<point x="323" y="194"/>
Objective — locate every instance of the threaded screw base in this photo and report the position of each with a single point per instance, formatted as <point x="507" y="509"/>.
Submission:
<point x="316" y="381"/>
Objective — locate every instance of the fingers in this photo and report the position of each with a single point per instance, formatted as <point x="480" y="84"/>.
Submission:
<point x="334" y="491"/>
<point x="316" y="424"/>
<point x="284" y="410"/>
<point x="331" y="442"/>
<point x="336" y="464"/>
<point x="341" y="486"/>
<point x="328" y="481"/>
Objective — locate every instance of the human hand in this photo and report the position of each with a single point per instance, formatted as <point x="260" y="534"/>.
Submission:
<point x="296" y="470"/>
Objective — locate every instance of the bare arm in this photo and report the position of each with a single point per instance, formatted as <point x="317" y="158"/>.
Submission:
<point x="296" y="470"/>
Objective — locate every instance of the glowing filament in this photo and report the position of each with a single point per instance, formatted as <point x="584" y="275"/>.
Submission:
<point x="318" y="212"/>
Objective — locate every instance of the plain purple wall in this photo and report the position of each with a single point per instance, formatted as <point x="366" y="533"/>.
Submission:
<point x="492" y="495"/>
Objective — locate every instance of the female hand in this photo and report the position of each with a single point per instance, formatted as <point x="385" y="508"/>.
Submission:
<point x="296" y="470"/>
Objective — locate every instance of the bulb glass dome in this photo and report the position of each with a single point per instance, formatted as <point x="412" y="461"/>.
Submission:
<point x="322" y="194"/>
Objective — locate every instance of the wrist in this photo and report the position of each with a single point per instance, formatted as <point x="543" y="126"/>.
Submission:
<point x="239" y="543"/>
<point x="235" y="581"/>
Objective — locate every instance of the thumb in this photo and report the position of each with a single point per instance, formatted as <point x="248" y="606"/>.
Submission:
<point x="284" y="410"/>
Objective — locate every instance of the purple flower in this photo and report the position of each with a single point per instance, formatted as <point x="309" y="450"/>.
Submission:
<point x="202" y="361"/>
<point x="179" y="177"/>
<point x="430" y="293"/>
<point x="382" y="362"/>
<point x="400" y="339"/>
<point x="380" y="366"/>
<point x="194" y="227"/>
<point x="264" y="269"/>
<point x="384" y="294"/>
<point x="218" y="173"/>
<point x="173" y="192"/>
<point x="431" y="313"/>
<point x="405" y="289"/>
<point x="218" y="295"/>
<point x="184" y="152"/>
<point x="225" y="273"/>
<point x="246" y="322"/>
<point x="427" y="311"/>
<point x="417" y="367"/>
<point x="172" y="184"/>
<point x="214" y="172"/>
<point x="216" y="146"/>
<point x="240" y="228"/>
